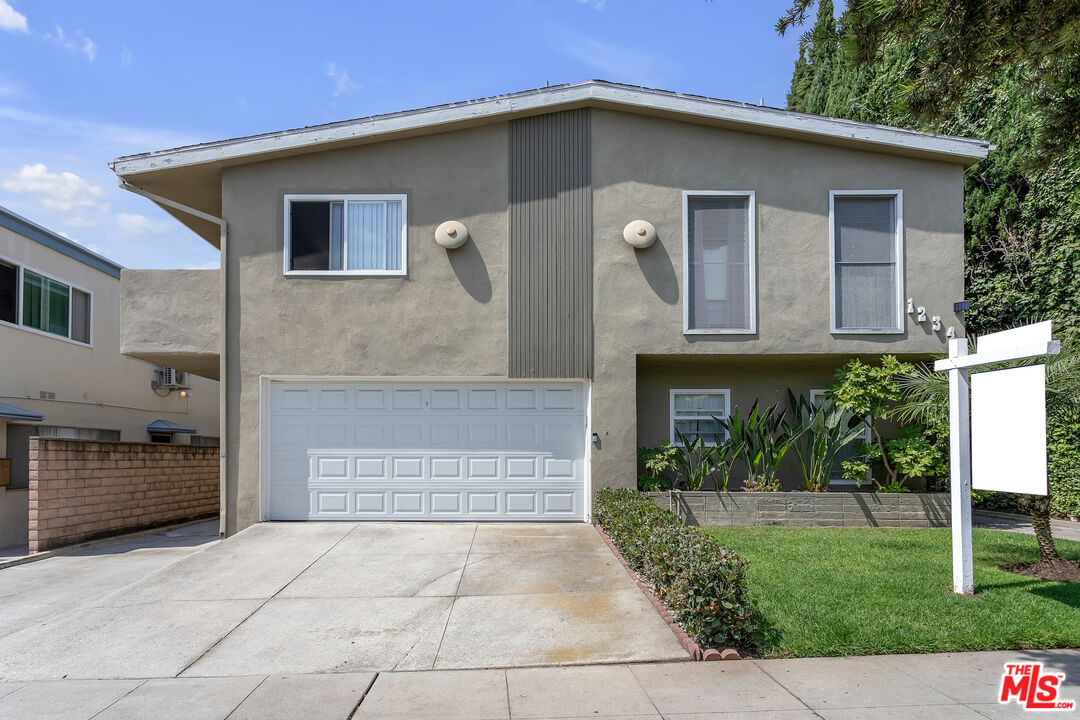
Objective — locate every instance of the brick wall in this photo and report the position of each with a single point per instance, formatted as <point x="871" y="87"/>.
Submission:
<point x="81" y="490"/>
<point x="805" y="509"/>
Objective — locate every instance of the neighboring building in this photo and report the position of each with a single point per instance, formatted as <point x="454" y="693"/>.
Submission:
<point x="61" y="370"/>
<point x="373" y="373"/>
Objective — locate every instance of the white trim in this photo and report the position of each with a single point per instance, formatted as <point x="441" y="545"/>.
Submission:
<point x="900" y="328"/>
<point x="265" y="382"/>
<point x="726" y="392"/>
<point x="20" y="267"/>
<point x="751" y="251"/>
<point x="590" y="94"/>
<point x="587" y="502"/>
<point x="346" y="198"/>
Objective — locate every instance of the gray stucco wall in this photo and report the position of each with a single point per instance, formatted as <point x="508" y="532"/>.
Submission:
<point x="171" y="318"/>
<point x="641" y="165"/>
<point x="446" y="318"/>
<point x="449" y="316"/>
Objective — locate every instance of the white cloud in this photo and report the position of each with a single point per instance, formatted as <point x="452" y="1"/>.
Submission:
<point x="80" y="43"/>
<point x="342" y="84"/>
<point x="126" y="57"/>
<point x="134" y="225"/>
<point x="616" y="61"/>
<point x="10" y="19"/>
<point x="64" y="191"/>
<point x="105" y="138"/>
<point x="594" y="4"/>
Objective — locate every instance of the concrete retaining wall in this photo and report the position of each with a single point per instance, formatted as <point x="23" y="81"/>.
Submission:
<point x="803" y="509"/>
<point x="81" y="490"/>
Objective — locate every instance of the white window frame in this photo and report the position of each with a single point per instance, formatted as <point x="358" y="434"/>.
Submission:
<point x="867" y="438"/>
<point x="898" y="198"/>
<point x="751" y="254"/>
<point x="18" y="324"/>
<point x="346" y="198"/>
<point x="695" y="391"/>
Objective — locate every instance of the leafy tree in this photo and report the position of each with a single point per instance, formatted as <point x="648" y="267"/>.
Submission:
<point x="871" y="392"/>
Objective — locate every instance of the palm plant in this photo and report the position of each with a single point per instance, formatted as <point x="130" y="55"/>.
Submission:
<point x="926" y="400"/>
<point x="762" y="437"/>
<point x="819" y="434"/>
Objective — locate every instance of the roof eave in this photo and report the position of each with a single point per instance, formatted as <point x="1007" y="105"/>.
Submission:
<point x="594" y="93"/>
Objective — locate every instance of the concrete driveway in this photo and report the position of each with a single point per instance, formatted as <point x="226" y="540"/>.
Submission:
<point x="283" y="598"/>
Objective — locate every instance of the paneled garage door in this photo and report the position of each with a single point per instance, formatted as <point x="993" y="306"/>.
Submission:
<point x="475" y="450"/>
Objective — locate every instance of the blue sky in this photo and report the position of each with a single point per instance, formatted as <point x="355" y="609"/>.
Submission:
<point x="84" y="82"/>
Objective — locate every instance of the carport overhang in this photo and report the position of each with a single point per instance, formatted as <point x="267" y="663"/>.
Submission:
<point x="191" y="176"/>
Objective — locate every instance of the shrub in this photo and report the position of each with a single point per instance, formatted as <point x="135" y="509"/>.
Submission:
<point x="701" y="581"/>
<point x="760" y="483"/>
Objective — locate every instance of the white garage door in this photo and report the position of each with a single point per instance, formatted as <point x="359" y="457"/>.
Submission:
<point x="475" y="450"/>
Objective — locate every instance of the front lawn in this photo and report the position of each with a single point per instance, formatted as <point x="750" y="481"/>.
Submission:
<point x="861" y="591"/>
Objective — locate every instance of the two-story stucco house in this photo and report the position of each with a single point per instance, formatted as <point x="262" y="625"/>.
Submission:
<point x="480" y="310"/>
<point x="61" y="370"/>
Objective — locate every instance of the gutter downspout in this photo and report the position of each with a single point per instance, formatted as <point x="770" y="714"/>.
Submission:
<point x="223" y="341"/>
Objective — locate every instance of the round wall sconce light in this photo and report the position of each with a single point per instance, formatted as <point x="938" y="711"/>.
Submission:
<point x="639" y="233"/>
<point x="451" y="234"/>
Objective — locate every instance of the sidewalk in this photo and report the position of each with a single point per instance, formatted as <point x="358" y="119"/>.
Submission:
<point x="926" y="687"/>
<point x="1062" y="529"/>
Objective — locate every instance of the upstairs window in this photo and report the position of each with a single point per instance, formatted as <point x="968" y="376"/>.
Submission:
<point x="697" y="413"/>
<point x="719" y="288"/>
<point x="38" y="302"/>
<point x="9" y="293"/>
<point x="867" y="261"/>
<point x="345" y="235"/>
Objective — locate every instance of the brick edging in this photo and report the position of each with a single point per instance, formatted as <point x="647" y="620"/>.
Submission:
<point x="695" y="650"/>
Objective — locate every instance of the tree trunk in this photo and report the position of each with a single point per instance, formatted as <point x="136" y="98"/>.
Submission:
<point x="1039" y="508"/>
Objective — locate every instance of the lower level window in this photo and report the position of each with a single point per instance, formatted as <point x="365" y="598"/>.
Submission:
<point x="165" y="438"/>
<point x="819" y="398"/>
<point x="697" y="413"/>
<point x="78" y="433"/>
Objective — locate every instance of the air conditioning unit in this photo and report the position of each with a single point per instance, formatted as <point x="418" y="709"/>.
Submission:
<point x="170" y="378"/>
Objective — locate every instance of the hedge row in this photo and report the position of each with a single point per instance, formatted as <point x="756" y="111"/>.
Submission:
<point x="1063" y="441"/>
<point x="701" y="581"/>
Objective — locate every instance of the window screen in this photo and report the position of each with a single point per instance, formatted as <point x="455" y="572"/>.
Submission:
<point x="865" y="261"/>
<point x="719" y="263"/>
<point x="80" y="316"/>
<point x="9" y="293"/>
<point x="696" y="413"/>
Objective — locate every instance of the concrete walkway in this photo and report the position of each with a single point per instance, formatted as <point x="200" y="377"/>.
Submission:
<point x="1062" y="529"/>
<point x="922" y="687"/>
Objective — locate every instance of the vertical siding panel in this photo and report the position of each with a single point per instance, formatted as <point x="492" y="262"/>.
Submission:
<point x="550" y="247"/>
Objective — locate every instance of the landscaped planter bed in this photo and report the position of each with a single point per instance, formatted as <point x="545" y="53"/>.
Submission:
<point x="806" y="509"/>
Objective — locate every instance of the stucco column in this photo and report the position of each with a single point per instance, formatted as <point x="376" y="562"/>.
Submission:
<point x="614" y="420"/>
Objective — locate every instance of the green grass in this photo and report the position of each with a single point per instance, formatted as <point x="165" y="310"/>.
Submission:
<point x="863" y="591"/>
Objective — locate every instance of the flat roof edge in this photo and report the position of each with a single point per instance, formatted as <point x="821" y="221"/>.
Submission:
<point x="592" y="93"/>
<point x="43" y="236"/>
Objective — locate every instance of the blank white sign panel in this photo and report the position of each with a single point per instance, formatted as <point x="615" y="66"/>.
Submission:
<point x="1008" y="430"/>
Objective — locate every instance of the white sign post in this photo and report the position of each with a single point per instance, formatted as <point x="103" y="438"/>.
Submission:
<point x="1027" y="462"/>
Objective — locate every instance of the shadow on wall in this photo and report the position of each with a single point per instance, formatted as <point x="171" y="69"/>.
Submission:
<point x="471" y="270"/>
<point x="655" y="264"/>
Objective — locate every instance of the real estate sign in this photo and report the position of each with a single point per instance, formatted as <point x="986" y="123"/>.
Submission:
<point x="1008" y="430"/>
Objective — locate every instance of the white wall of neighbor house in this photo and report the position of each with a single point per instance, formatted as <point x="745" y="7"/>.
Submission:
<point x="90" y="385"/>
<point x="77" y="385"/>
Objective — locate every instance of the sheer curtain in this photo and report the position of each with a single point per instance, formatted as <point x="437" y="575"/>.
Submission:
<point x="374" y="235"/>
